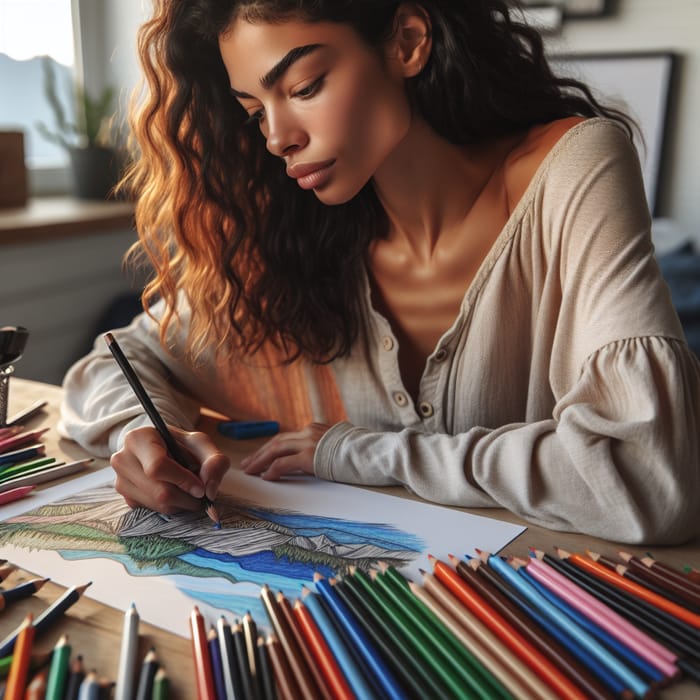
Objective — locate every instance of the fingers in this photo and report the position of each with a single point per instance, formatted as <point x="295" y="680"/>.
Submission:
<point x="148" y="476"/>
<point x="286" y="453"/>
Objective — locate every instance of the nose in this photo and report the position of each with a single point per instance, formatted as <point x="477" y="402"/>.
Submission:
<point x="284" y="134"/>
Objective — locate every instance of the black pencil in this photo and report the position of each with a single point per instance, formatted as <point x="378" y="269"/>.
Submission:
<point x="152" y="412"/>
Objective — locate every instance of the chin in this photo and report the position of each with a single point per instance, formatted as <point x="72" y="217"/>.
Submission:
<point x="334" y="196"/>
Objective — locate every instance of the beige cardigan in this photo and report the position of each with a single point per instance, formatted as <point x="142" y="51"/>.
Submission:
<point x="564" y="391"/>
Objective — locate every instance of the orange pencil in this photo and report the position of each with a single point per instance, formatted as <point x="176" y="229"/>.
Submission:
<point x="202" y="660"/>
<point x="508" y="635"/>
<point x="17" y="678"/>
<point x="322" y="654"/>
<point x="615" y="578"/>
<point x="36" y="690"/>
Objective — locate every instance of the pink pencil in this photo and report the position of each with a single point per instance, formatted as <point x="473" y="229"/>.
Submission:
<point x="15" y="494"/>
<point x="649" y="649"/>
<point x="15" y="441"/>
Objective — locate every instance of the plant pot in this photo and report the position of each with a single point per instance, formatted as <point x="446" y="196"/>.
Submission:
<point x="96" y="171"/>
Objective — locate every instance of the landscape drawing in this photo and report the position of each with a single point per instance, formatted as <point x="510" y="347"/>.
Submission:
<point x="278" y="534"/>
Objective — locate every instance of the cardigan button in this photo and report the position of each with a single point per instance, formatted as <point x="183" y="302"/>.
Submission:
<point x="426" y="409"/>
<point x="388" y="342"/>
<point x="441" y="355"/>
<point x="400" y="399"/>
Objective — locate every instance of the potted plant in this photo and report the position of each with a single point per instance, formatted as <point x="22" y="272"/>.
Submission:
<point x="95" y="160"/>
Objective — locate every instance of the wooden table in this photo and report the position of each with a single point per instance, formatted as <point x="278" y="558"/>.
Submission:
<point x="94" y="629"/>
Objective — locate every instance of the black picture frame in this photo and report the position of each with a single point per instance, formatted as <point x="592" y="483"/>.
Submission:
<point x="639" y="83"/>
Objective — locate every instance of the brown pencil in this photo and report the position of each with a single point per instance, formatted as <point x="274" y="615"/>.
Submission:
<point x="671" y="572"/>
<point x="302" y="678"/>
<point x="293" y="623"/>
<point x="285" y="684"/>
<point x="631" y="573"/>
<point x="683" y="589"/>
<point x="480" y="577"/>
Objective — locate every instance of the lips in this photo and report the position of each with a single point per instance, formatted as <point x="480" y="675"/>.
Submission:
<point x="311" y="176"/>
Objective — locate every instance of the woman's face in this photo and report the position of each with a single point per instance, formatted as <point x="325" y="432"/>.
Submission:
<point x="325" y="102"/>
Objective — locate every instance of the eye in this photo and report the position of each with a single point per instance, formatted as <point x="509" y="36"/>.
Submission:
<point x="255" y="117"/>
<point x="311" y="89"/>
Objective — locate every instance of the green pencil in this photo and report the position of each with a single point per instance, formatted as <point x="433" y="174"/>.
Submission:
<point x="161" y="685"/>
<point x="58" y="671"/>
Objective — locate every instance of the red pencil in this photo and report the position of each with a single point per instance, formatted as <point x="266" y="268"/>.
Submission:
<point x="202" y="660"/>
<point x="322" y="654"/>
<point x="508" y="635"/>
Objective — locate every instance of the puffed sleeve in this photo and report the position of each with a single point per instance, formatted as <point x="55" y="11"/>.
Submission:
<point x="618" y="454"/>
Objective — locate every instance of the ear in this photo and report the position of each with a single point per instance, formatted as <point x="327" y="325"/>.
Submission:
<point x="410" y="45"/>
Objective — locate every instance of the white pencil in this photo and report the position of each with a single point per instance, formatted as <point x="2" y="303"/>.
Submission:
<point x="124" y="690"/>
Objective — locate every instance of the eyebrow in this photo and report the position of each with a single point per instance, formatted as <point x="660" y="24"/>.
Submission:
<point x="280" y="68"/>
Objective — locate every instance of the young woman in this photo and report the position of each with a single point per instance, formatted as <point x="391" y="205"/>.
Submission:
<point x="388" y="225"/>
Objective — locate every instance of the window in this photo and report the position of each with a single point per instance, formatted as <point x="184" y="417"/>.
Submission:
<point x="30" y="29"/>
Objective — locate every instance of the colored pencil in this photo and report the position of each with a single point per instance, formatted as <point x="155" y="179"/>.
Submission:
<point x="46" y="472"/>
<point x="615" y="624"/>
<point x="508" y="635"/>
<point x="217" y="668"/>
<point x="9" y="431"/>
<point x="651" y="586"/>
<point x="202" y="661"/>
<point x="600" y="653"/>
<point x="378" y="669"/>
<point x="58" y="671"/>
<point x="149" y="666"/>
<point x="47" y="617"/>
<point x="36" y="690"/>
<point x="13" y="442"/>
<point x="515" y="676"/>
<point x="323" y="656"/>
<point x="642" y="592"/>
<point x="23" y="415"/>
<point x="302" y="679"/>
<point x="90" y="687"/>
<point x="16" y="493"/>
<point x="293" y="624"/>
<point x="680" y="591"/>
<point x="21" y="455"/>
<point x="161" y="685"/>
<point x="458" y="661"/>
<point x="409" y="667"/>
<point x="338" y="644"/>
<point x="241" y="652"/>
<point x="526" y="621"/>
<point x="152" y="412"/>
<point x="646" y="671"/>
<point x="22" y="590"/>
<point x="10" y="472"/>
<point x="670" y="572"/>
<point x="17" y="678"/>
<point x="124" y="688"/>
<point x="76" y="674"/>
<point x="229" y="664"/>
<point x="250" y="635"/>
<point x="286" y="686"/>
<point x="266" y="674"/>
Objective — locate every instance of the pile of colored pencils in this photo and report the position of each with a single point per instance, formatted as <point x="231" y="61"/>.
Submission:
<point x="545" y="627"/>
<point x="24" y="464"/>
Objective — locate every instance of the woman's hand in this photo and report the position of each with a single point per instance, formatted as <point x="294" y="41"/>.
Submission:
<point x="148" y="476"/>
<point x="286" y="453"/>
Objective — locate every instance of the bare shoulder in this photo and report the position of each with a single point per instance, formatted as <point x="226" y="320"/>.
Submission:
<point x="523" y="161"/>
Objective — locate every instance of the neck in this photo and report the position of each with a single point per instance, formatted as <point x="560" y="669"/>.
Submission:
<point x="428" y="186"/>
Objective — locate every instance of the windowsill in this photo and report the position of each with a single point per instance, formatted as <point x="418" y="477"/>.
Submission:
<point x="50" y="218"/>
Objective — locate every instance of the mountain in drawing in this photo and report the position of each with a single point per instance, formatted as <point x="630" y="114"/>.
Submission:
<point x="252" y="539"/>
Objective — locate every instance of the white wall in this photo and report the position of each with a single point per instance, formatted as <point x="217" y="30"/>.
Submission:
<point x="643" y="25"/>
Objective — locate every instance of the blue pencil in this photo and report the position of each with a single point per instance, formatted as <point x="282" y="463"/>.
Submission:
<point x="602" y="655"/>
<point x="8" y="459"/>
<point x="375" y="663"/>
<point x="216" y="662"/>
<point x="353" y="675"/>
